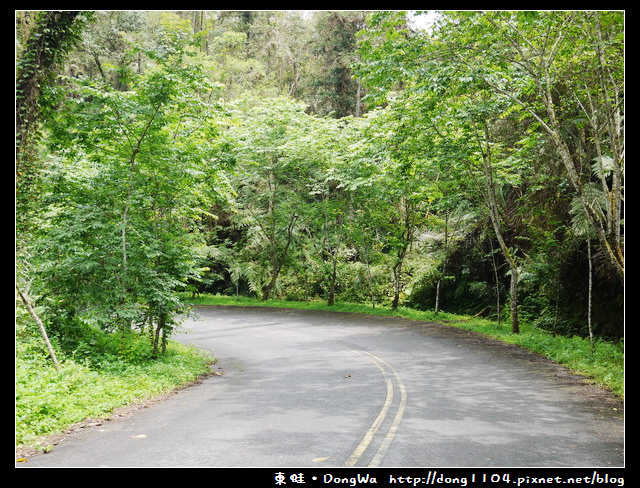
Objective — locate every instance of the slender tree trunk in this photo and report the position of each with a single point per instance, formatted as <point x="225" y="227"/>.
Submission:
<point x="358" y="98"/>
<point x="128" y="200"/>
<point x="372" y="294"/>
<point x="162" y="317"/>
<point x="332" y="284"/>
<point x="444" y="261"/>
<point x="266" y="289"/>
<point x="497" y="278"/>
<point x="513" y="291"/>
<point x="494" y="213"/>
<point x="278" y="261"/>
<point x="513" y="270"/>
<point x="367" y="262"/>
<point x="397" y="271"/>
<point x="407" y="238"/>
<point x="43" y="331"/>
<point x="590" y="292"/>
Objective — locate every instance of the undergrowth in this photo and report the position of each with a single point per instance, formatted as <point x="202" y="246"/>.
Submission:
<point x="49" y="400"/>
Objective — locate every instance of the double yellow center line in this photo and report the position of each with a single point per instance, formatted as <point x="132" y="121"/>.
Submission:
<point x="389" y="375"/>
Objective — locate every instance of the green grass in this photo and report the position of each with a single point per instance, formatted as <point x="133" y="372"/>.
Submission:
<point x="604" y="366"/>
<point x="48" y="401"/>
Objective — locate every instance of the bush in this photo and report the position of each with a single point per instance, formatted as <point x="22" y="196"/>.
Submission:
<point x="92" y="382"/>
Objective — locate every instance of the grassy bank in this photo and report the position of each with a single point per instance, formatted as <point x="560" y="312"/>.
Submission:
<point x="604" y="366"/>
<point x="48" y="401"/>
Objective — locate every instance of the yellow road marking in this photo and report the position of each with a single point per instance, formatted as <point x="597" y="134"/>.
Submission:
<point x="369" y="436"/>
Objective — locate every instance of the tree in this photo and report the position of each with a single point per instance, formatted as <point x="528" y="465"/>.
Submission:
<point x="108" y="49"/>
<point x="525" y="62"/>
<point x="529" y="57"/>
<point x="278" y="40"/>
<point x="406" y="179"/>
<point x="46" y="39"/>
<point x="135" y="171"/>
<point x="43" y="331"/>
<point x="332" y="88"/>
<point x="582" y="227"/>
<point x="328" y="215"/>
<point x="270" y="183"/>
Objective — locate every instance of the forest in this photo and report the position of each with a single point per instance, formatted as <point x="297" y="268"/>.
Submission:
<point x="462" y="161"/>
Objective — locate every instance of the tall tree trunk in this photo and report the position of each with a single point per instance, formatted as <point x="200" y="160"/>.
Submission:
<point x="513" y="292"/>
<point x="198" y="25"/>
<point x="513" y="271"/>
<point x="277" y="261"/>
<point x="494" y="213"/>
<point x="590" y="292"/>
<point x="130" y="187"/>
<point x="332" y="285"/>
<point x="444" y="260"/>
<point x="266" y="289"/>
<point x="494" y="265"/>
<point x="162" y="318"/>
<point x="43" y="331"/>
<point x="397" y="271"/>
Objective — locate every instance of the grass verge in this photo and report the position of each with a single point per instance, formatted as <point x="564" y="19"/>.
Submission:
<point x="604" y="366"/>
<point x="48" y="401"/>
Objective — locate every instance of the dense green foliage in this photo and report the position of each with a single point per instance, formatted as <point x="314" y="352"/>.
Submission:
<point x="474" y="167"/>
<point x="47" y="39"/>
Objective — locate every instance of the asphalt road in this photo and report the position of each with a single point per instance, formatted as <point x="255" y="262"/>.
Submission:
<point x="320" y="389"/>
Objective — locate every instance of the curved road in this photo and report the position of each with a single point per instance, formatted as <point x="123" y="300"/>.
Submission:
<point x="299" y="388"/>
